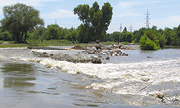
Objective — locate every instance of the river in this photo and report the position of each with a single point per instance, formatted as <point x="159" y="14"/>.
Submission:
<point x="133" y="81"/>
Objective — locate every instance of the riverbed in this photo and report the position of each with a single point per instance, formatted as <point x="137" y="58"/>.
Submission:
<point x="123" y="81"/>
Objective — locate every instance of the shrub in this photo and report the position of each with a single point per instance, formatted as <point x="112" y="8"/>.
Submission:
<point x="147" y="44"/>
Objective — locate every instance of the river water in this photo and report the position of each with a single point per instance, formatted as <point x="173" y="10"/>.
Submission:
<point x="27" y="80"/>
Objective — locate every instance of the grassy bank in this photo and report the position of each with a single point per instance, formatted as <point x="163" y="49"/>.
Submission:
<point x="35" y="43"/>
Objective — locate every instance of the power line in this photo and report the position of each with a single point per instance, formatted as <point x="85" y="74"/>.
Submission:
<point x="131" y="28"/>
<point x="147" y="19"/>
<point x="120" y="28"/>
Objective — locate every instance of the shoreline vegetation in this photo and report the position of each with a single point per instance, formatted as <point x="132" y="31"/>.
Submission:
<point x="49" y="43"/>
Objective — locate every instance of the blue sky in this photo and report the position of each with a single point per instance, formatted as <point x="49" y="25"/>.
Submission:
<point x="163" y="13"/>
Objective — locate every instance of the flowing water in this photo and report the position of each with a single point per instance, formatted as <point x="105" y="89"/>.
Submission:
<point x="27" y="80"/>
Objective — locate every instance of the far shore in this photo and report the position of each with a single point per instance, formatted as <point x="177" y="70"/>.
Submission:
<point x="51" y="45"/>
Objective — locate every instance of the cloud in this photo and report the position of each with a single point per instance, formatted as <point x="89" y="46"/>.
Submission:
<point x="58" y="14"/>
<point x="172" y="21"/>
<point x="27" y="2"/>
<point x="132" y="3"/>
<point x="128" y="4"/>
<point x="35" y="3"/>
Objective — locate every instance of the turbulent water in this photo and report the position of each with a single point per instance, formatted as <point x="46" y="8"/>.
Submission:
<point x="132" y="81"/>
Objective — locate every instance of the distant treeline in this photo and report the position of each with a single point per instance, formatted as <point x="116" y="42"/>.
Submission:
<point x="161" y="37"/>
<point x="164" y="37"/>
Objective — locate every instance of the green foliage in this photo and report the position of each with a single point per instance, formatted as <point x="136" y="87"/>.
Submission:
<point x="115" y="36"/>
<point x="19" y="19"/>
<point x="53" y="32"/>
<point x="122" y="37"/>
<point x="6" y="36"/>
<point x="126" y="37"/>
<point x="95" y="21"/>
<point x="138" y="34"/>
<point x="147" y="44"/>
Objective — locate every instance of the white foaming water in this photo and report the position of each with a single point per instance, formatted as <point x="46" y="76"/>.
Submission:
<point x="122" y="78"/>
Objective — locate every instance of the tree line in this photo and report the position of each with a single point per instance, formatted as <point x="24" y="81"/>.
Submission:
<point x="22" y="22"/>
<point x="151" y="38"/>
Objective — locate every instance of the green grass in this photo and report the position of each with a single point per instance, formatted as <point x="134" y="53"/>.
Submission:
<point x="46" y="43"/>
<point x="39" y="43"/>
<point x="13" y="45"/>
<point x="107" y="43"/>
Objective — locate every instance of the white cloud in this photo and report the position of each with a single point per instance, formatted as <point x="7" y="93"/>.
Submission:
<point x="35" y="3"/>
<point x="131" y="3"/>
<point x="128" y="4"/>
<point x="58" y="14"/>
<point x="27" y="2"/>
<point x="172" y="21"/>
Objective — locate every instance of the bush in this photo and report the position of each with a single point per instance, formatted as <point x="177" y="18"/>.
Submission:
<point x="6" y="36"/>
<point x="147" y="44"/>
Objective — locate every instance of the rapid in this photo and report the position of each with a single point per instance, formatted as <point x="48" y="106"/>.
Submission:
<point x="123" y="81"/>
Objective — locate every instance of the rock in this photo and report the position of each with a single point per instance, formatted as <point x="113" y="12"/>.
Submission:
<point x="107" y="58"/>
<point x="160" y="95"/>
<point x="116" y="45"/>
<point x="5" y="43"/>
<point x="149" y="57"/>
<point x="145" y="79"/>
<point x="96" y="59"/>
<point x="78" y="47"/>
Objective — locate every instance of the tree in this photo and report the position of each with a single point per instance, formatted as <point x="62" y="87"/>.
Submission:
<point x="147" y="44"/>
<point x="19" y="19"/>
<point x="53" y="32"/>
<point x="115" y="36"/>
<point x="6" y="36"/>
<point x="125" y="29"/>
<point x="138" y="34"/>
<point x="126" y="37"/>
<point x="37" y="33"/>
<point x="95" y="21"/>
<point x="161" y="38"/>
<point x="170" y="36"/>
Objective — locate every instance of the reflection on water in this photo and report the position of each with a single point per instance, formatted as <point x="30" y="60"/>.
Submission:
<point x="17" y="75"/>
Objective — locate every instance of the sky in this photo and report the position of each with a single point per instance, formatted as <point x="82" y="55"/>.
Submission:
<point x="128" y="13"/>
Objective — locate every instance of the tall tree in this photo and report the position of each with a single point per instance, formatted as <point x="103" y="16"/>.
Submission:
<point x="19" y="19"/>
<point x="95" y="21"/>
<point x="125" y="29"/>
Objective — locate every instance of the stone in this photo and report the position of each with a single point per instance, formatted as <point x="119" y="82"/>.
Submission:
<point x="145" y="79"/>
<point x="96" y="59"/>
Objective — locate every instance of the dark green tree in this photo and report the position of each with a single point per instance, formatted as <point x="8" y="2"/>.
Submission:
<point x="37" y="33"/>
<point x="6" y="36"/>
<point x="138" y="34"/>
<point x="161" y="38"/>
<point x="95" y="21"/>
<point x="19" y="19"/>
<point x="126" y="37"/>
<point x="170" y="36"/>
<point x="115" y="36"/>
<point x="53" y="32"/>
<point x="125" y="29"/>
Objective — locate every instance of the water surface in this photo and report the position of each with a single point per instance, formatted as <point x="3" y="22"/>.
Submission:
<point x="32" y="81"/>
